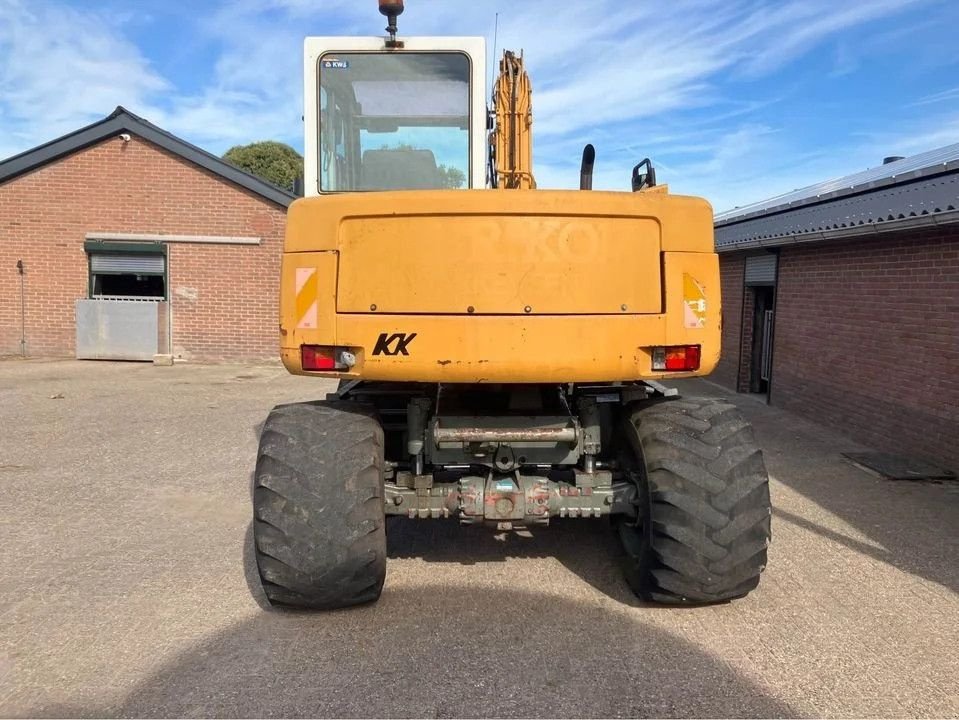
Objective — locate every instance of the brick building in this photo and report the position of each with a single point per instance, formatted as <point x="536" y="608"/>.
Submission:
<point x="841" y="302"/>
<point x="122" y="241"/>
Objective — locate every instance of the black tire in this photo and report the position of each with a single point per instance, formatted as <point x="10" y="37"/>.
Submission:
<point x="318" y="522"/>
<point x="704" y="508"/>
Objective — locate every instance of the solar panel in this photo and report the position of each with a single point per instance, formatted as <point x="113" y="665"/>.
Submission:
<point x="911" y="168"/>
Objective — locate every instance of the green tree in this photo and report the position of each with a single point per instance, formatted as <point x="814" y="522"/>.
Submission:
<point x="272" y="161"/>
<point x="451" y="177"/>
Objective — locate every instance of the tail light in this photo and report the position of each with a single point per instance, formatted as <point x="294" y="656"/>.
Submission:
<point x="326" y="357"/>
<point x="677" y="358"/>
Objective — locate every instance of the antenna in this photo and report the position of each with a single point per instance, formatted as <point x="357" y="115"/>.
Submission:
<point x="492" y="67"/>
<point x="490" y="120"/>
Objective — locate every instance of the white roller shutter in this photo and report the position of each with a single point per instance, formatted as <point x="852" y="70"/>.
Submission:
<point x="132" y="263"/>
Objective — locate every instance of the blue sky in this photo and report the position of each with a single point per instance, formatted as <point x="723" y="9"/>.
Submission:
<point x="735" y="100"/>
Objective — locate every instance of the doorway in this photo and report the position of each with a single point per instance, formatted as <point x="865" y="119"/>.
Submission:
<point x="763" y="316"/>
<point x="761" y="273"/>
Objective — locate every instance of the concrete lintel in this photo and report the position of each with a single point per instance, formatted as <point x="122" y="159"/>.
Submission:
<point x="201" y="239"/>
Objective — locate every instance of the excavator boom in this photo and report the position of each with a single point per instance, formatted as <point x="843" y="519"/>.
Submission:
<point x="511" y="141"/>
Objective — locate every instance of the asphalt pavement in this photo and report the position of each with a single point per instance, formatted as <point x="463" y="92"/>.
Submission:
<point x="127" y="586"/>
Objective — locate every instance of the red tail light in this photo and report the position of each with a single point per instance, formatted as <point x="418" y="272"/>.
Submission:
<point x="677" y="358"/>
<point x="326" y="357"/>
<point x="317" y="357"/>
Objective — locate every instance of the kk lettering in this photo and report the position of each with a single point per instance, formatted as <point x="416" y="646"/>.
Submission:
<point x="394" y="344"/>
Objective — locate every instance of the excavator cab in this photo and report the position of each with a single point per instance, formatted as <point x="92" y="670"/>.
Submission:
<point x="394" y="118"/>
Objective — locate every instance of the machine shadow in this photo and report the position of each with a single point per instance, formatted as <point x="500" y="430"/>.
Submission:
<point x="587" y="548"/>
<point x="444" y="651"/>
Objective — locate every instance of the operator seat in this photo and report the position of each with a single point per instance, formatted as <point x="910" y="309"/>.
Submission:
<point x="399" y="170"/>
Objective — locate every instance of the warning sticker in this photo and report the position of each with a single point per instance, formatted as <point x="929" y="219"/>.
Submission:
<point x="694" y="303"/>
<point x="306" y="302"/>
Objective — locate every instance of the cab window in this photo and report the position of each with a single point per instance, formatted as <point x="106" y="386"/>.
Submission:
<point x="394" y="121"/>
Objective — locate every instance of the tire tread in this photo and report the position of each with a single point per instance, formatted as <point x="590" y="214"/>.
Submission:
<point x="708" y="522"/>
<point x="319" y="524"/>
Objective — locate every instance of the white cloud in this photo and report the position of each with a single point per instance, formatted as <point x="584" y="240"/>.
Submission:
<point x="943" y="96"/>
<point x="62" y="68"/>
<point x="593" y="63"/>
<point x="749" y="166"/>
<point x="629" y="76"/>
<point x="794" y="28"/>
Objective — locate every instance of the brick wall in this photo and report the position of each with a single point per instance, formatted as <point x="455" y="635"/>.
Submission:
<point x="731" y="266"/>
<point x="224" y="296"/>
<point x="867" y="340"/>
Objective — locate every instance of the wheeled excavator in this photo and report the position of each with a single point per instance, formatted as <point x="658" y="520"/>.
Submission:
<point x="500" y="350"/>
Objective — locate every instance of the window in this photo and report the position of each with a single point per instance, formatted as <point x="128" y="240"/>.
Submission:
<point x="127" y="270"/>
<point x="393" y="121"/>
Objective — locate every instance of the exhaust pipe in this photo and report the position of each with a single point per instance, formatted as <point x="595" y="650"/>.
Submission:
<point x="586" y="168"/>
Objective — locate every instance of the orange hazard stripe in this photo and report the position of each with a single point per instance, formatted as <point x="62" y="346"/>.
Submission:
<point x="306" y="290"/>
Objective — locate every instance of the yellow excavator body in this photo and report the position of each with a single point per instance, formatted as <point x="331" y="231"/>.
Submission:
<point x="520" y="287"/>
<point x="415" y="284"/>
